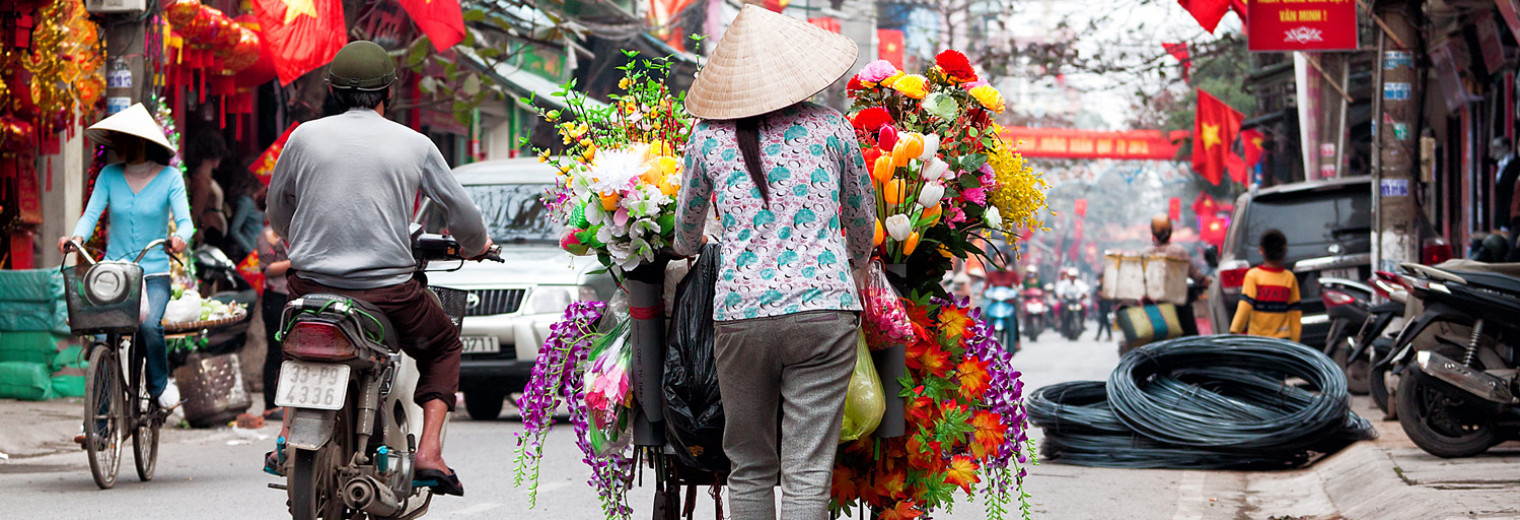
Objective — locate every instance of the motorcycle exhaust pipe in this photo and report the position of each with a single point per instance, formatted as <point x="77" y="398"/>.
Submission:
<point x="1472" y="381"/>
<point x="366" y="494"/>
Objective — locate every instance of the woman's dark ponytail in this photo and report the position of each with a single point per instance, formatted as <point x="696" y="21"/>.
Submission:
<point x="747" y="131"/>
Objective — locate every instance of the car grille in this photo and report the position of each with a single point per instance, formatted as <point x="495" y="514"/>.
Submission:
<point x="487" y="302"/>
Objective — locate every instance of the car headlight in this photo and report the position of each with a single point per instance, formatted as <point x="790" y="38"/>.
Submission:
<point x="549" y="300"/>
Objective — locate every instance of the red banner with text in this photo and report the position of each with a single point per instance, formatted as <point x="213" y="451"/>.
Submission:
<point x="1302" y="25"/>
<point x="1093" y="144"/>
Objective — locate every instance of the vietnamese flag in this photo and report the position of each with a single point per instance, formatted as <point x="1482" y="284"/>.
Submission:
<point x="1180" y="51"/>
<point x="440" y="20"/>
<point x="302" y="34"/>
<point x="1252" y="139"/>
<point x="1215" y="127"/>
<point x="1208" y="13"/>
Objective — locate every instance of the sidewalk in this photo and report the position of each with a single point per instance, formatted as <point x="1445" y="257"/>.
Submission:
<point x="1392" y="479"/>
<point x="33" y="428"/>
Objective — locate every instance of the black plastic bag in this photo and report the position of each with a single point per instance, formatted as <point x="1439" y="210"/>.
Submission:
<point x="693" y="408"/>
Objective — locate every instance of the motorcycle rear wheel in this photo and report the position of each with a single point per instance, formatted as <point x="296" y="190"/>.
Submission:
<point x="1430" y="412"/>
<point x="312" y="484"/>
<point x="1356" y="370"/>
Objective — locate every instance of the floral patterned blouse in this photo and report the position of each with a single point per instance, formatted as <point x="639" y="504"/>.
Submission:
<point x="790" y="256"/>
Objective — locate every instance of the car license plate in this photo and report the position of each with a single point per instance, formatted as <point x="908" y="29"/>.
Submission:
<point x="1348" y="273"/>
<point x="319" y="386"/>
<point x="481" y="344"/>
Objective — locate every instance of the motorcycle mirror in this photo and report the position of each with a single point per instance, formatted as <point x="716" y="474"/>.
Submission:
<point x="1211" y="256"/>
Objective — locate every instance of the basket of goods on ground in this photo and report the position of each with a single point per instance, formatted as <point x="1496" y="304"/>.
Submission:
<point x="935" y="410"/>
<point x="210" y="381"/>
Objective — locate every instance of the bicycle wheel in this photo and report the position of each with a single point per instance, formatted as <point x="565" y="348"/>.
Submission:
<point x="146" y="417"/>
<point x="103" y="414"/>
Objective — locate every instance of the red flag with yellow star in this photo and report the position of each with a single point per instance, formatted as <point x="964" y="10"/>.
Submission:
<point x="302" y="34"/>
<point x="440" y="20"/>
<point x="1215" y="127"/>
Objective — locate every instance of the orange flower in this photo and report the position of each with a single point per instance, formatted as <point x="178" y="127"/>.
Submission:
<point x="610" y="201"/>
<point x="988" y="434"/>
<point x="904" y="510"/>
<point x="930" y="215"/>
<point x="954" y="321"/>
<point x="895" y="192"/>
<point x="894" y="483"/>
<point x="962" y="472"/>
<point x="883" y="169"/>
<point x="843" y="488"/>
<point x="920" y="412"/>
<point x="879" y="236"/>
<point x="934" y="360"/>
<point x="974" y="378"/>
<point x="911" y="243"/>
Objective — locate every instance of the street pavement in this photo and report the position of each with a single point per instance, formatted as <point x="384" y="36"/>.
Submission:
<point x="215" y="474"/>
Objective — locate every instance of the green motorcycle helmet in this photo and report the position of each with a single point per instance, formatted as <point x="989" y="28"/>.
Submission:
<point x="363" y="66"/>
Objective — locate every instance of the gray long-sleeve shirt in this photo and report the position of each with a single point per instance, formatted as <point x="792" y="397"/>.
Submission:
<point x="342" y="195"/>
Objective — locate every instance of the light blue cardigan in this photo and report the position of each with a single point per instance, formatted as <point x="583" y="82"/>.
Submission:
<point x="138" y="218"/>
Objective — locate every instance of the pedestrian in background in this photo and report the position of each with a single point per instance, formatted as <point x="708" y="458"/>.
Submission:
<point x="1105" y="310"/>
<point x="1269" y="298"/>
<point x="787" y="312"/>
<point x="275" y="262"/>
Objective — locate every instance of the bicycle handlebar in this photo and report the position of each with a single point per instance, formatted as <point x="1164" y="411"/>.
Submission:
<point x="77" y="248"/>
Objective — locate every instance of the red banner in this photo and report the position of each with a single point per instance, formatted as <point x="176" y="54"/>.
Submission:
<point x="1302" y="25"/>
<point x="1092" y="144"/>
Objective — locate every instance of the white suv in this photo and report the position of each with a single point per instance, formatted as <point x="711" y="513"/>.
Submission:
<point x="512" y="304"/>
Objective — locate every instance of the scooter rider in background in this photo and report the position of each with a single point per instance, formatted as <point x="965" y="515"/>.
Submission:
<point x="343" y="194"/>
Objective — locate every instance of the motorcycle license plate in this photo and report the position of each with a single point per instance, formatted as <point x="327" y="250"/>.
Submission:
<point x="1347" y="273"/>
<point x="312" y="385"/>
<point x="480" y="344"/>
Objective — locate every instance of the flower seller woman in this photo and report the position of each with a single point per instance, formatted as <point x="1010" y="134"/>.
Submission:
<point x="141" y="192"/>
<point x="785" y="176"/>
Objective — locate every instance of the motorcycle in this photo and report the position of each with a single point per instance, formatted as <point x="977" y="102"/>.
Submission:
<point x="1073" y="313"/>
<point x="1455" y="365"/>
<point x="1036" y="312"/>
<point x="348" y="388"/>
<point x="1000" y="312"/>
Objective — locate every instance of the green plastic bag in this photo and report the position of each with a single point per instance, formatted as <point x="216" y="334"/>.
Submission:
<point x="865" y="403"/>
<point x="25" y="381"/>
<point x="31" y="347"/>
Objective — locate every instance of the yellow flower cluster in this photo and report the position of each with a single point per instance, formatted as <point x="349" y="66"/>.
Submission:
<point x="1020" y="192"/>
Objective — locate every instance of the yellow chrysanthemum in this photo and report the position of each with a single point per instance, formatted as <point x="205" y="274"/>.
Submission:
<point x="892" y="79"/>
<point x="1019" y="194"/>
<point x="625" y="83"/>
<point x="912" y="85"/>
<point x="989" y="97"/>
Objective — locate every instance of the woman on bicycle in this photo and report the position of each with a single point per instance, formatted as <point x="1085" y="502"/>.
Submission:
<point x="789" y="182"/>
<point x="141" y="190"/>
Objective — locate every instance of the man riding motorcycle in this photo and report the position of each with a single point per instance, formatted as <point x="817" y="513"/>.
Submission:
<point x="342" y="194"/>
<point x="1072" y="292"/>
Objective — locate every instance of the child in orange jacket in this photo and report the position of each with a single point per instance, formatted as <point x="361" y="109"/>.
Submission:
<point x="1269" y="303"/>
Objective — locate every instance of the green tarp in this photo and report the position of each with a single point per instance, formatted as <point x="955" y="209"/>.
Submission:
<point x="34" y="316"/>
<point x="31" y="285"/>
<point x="30" y="347"/>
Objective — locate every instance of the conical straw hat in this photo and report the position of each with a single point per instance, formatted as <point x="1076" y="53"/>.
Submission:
<point x="767" y="61"/>
<point x="132" y="121"/>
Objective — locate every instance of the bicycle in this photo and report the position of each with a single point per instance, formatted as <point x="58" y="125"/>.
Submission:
<point x="105" y="298"/>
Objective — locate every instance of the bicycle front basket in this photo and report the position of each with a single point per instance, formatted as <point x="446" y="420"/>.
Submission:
<point x="103" y="298"/>
<point x="453" y="302"/>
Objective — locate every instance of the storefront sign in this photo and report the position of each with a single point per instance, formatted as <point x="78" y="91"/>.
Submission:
<point x="1395" y="188"/>
<point x="1302" y="25"/>
<point x="1397" y="91"/>
<point x="1089" y="144"/>
<point x="1394" y="59"/>
<point x="117" y="104"/>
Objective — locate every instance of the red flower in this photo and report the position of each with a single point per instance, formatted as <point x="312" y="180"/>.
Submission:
<point x="973" y="378"/>
<point x="872" y="119"/>
<point x="962" y="472"/>
<point x="855" y="85"/>
<point x="988" y="435"/>
<point x="920" y="411"/>
<point x="870" y="155"/>
<point x="956" y="66"/>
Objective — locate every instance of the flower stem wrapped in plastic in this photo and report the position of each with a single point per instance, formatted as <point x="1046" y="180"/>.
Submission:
<point x="608" y="398"/>
<point x="885" y="318"/>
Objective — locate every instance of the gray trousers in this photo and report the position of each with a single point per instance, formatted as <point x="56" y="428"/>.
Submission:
<point x="797" y="366"/>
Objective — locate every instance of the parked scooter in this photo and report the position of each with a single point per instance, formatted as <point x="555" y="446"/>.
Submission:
<point x="1036" y="312"/>
<point x="1455" y="365"/>
<point x="347" y="387"/>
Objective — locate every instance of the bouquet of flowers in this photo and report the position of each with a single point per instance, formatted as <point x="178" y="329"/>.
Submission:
<point x="621" y="168"/>
<point x="966" y="425"/>
<point x="608" y="401"/>
<point x="942" y="173"/>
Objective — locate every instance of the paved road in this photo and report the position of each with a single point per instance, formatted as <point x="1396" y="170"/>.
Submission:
<point x="215" y="474"/>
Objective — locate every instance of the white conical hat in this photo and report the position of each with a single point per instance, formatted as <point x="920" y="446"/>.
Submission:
<point x="132" y="121"/>
<point x="767" y="61"/>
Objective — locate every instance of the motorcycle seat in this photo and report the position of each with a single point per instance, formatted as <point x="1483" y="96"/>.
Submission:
<point x="373" y="322"/>
<point x="1493" y="281"/>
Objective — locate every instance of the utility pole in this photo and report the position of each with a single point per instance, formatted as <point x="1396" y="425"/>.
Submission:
<point x="1395" y="236"/>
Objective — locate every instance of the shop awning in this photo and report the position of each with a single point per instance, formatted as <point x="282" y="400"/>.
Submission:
<point x="522" y="83"/>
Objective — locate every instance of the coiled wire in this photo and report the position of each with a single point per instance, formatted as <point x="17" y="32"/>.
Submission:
<point x="1202" y="402"/>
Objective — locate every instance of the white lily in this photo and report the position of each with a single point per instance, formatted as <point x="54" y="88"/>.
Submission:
<point x="899" y="227"/>
<point x="994" y="218"/>
<point x="934" y="169"/>
<point x="931" y="147"/>
<point x="931" y="194"/>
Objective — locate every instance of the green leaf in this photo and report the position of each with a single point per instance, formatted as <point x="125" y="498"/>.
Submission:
<point x="474" y="15"/>
<point x="471" y="85"/>
<point x="418" y="52"/>
<point x="428" y="85"/>
<point x="974" y="162"/>
<point x="489" y="52"/>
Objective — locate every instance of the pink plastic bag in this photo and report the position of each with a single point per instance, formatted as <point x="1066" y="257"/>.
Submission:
<point x="885" y="319"/>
